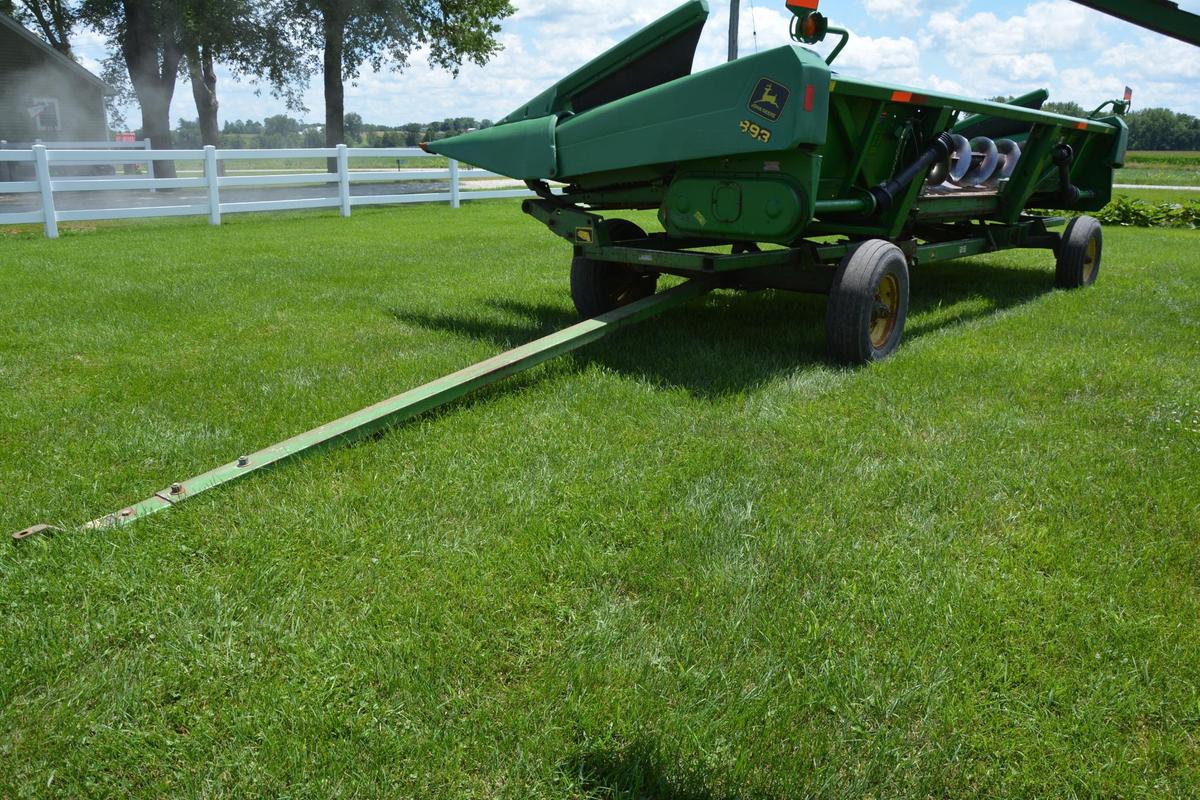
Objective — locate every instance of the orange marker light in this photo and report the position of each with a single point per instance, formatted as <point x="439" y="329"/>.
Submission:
<point x="810" y="5"/>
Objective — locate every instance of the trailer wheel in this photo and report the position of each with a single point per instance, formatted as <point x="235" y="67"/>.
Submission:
<point x="868" y="304"/>
<point x="1079" y="254"/>
<point x="598" y="287"/>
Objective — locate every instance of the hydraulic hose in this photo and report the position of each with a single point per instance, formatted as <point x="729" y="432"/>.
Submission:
<point x="885" y="193"/>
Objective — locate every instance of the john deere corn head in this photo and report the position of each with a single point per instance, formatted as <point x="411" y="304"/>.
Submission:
<point x="775" y="171"/>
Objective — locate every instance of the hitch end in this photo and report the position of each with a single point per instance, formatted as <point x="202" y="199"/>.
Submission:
<point x="34" y="530"/>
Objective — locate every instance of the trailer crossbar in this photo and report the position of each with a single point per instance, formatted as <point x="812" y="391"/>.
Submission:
<point x="403" y="406"/>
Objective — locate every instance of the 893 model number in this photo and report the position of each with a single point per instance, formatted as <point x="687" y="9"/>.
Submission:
<point x="757" y="131"/>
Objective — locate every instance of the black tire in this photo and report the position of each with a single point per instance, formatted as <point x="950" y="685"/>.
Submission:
<point x="1079" y="254"/>
<point x="620" y="230"/>
<point x="598" y="287"/>
<point x="868" y="304"/>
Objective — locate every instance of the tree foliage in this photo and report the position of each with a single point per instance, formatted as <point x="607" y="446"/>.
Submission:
<point x="1163" y="129"/>
<point x="55" y="20"/>
<point x="351" y="33"/>
<point x="245" y="36"/>
<point x="156" y="40"/>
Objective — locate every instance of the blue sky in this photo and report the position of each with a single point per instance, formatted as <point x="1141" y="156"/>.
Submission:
<point x="973" y="47"/>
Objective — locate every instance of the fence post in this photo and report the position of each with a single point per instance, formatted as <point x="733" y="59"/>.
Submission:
<point x="41" y="166"/>
<point x="454" y="199"/>
<point x="343" y="162"/>
<point x="213" y="180"/>
<point x="147" y="146"/>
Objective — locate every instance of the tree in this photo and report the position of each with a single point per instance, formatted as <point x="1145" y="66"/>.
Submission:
<point x="245" y="36"/>
<point x="280" y="125"/>
<point x="350" y="33"/>
<point x="314" y="136"/>
<point x="412" y="133"/>
<point x="54" y="19"/>
<point x="1069" y="108"/>
<point x="354" y="127"/>
<point x="187" y="134"/>
<point x="158" y="38"/>
<point x="1163" y="129"/>
<point x="149" y="36"/>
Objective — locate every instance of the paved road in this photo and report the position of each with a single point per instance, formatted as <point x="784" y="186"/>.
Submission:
<point x="1165" y="188"/>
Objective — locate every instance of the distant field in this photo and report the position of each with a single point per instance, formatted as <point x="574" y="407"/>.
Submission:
<point x="689" y="562"/>
<point x="1161" y="168"/>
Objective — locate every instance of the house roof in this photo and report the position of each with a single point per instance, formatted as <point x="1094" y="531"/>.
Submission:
<point x="72" y="66"/>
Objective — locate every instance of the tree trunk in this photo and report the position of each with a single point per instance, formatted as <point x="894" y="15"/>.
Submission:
<point x="152" y="59"/>
<point x="202" y="74"/>
<point x="335" y="93"/>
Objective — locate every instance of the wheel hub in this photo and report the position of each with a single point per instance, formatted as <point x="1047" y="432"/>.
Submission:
<point x="883" y="315"/>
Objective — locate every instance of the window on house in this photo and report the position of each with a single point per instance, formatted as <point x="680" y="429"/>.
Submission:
<point x="44" y="111"/>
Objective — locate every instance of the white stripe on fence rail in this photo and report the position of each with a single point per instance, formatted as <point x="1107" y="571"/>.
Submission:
<point x="45" y="156"/>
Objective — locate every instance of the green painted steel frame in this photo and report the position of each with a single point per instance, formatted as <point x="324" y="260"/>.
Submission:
<point x="394" y="410"/>
<point x="932" y="243"/>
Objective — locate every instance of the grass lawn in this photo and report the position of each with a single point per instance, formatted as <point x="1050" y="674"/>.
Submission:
<point x="690" y="561"/>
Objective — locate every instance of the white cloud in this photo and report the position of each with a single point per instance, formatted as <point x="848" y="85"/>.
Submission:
<point x="893" y="8"/>
<point x="883" y="58"/>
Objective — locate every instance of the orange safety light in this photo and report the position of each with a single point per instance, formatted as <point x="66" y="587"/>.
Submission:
<point x="809" y="5"/>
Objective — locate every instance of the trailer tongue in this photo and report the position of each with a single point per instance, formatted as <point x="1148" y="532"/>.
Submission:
<point x="396" y="409"/>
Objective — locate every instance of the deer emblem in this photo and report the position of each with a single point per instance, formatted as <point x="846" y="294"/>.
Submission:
<point x="768" y="96"/>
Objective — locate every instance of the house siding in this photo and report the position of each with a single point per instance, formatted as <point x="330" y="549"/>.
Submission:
<point x="28" y="74"/>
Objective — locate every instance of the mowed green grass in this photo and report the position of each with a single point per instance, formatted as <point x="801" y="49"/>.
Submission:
<point x="690" y="561"/>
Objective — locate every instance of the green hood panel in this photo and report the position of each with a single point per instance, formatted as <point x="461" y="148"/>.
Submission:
<point x="702" y="116"/>
<point x="773" y="101"/>
<point x="523" y="150"/>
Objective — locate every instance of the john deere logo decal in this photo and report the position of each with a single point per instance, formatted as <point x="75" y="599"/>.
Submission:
<point x="768" y="99"/>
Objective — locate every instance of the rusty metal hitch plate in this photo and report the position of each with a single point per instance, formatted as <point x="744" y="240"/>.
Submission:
<point x="30" y="532"/>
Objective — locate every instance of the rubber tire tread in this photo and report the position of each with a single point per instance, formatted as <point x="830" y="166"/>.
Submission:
<point x="592" y="282"/>
<point x="852" y="298"/>
<point x="1068" y="270"/>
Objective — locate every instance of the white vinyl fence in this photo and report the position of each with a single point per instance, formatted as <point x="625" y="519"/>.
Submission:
<point x="44" y="184"/>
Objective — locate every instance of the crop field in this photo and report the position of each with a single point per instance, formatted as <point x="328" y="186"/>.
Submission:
<point x="690" y="561"/>
<point x="1160" y="168"/>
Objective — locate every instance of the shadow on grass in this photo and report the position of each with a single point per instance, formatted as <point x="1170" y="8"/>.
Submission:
<point x="640" y="772"/>
<point x="729" y="342"/>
